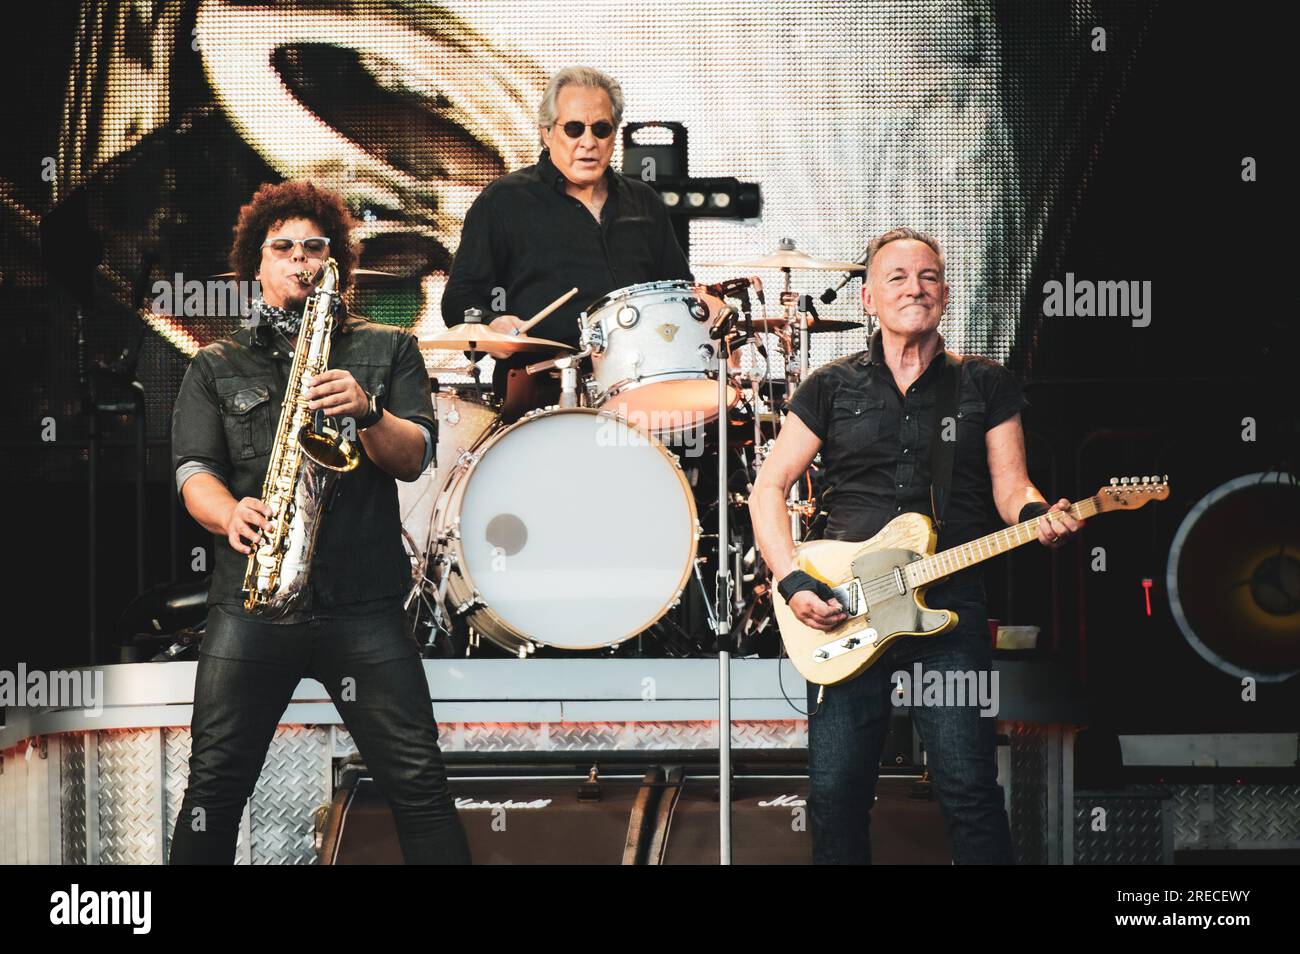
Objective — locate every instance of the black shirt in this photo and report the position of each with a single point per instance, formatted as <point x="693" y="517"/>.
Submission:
<point x="225" y="419"/>
<point x="526" y="242"/>
<point x="875" y="449"/>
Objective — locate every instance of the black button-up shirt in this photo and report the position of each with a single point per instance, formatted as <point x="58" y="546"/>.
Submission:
<point x="526" y="242"/>
<point x="224" y="422"/>
<point x="875" y="449"/>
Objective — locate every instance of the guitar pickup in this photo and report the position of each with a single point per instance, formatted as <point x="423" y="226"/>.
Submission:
<point x="845" y="644"/>
<point x="851" y="598"/>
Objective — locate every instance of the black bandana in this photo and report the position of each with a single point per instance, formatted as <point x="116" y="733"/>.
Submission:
<point x="285" y="321"/>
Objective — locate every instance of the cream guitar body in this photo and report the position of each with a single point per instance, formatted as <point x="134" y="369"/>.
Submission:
<point x="873" y="625"/>
<point x="881" y="583"/>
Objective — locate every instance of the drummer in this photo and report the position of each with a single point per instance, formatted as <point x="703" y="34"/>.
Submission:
<point x="568" y="220"/>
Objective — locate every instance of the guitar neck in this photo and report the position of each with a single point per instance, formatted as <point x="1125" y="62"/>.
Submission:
<point x="935" y="567"/>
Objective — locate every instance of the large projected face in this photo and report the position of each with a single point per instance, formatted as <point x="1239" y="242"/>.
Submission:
<point x="852" y="117"/>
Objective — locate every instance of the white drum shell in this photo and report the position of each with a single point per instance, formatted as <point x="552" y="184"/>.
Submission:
<point x="653" y="361"/>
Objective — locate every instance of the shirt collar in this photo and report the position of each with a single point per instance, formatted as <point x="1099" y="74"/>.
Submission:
<point x="554" y="178"/>
<point x="875" y="353"/>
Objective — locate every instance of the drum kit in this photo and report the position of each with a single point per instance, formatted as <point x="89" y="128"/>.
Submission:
<point x="578" y="526"/>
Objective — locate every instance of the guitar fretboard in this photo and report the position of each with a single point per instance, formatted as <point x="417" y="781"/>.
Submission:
<point x="931" y="568"/>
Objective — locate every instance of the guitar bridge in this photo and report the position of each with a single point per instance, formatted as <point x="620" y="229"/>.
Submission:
<point x="845" y="644"/>
<point x="851" y="597"/>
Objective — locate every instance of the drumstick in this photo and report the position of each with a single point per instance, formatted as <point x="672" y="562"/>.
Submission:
<point x="525" y="326"/>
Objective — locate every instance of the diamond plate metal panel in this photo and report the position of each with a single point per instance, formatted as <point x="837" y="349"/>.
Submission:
<point x="176" y="774"/>
<point x="72" y="771"/>
<point x="294" y="783"/>
<point x="1258" y="814"/>
<point x="494" y="737"/>
<point x="1135" y="832"/>
<point x="1193" y="814"/>
<point x="1237" y="816"/>
<point x="770" y="734"/>
<point x="130" y="827"/>
<point x="604" y="736"/>
<point x="345" y="746"/>
<point x="589" y="736"/>
<point x="1028" y="814"/>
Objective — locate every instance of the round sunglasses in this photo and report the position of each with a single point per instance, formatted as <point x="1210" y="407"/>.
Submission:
<point x="601" y="129"/>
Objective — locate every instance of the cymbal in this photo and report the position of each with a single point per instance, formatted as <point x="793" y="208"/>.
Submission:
<point x="774" y="325"/>
<point x="360" y="276"/>
<point x="789" y="257"/>
<point x="479" y="337"/>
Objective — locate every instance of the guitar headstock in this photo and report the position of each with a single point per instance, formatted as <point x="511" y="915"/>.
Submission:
<point x="1130" y="493"/>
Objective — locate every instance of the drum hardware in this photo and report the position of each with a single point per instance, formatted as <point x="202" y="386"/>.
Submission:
<point x="816" y="325"/>
<point x="646" y="333"/>
<point x="727" y="332"/>
<point x="568" y="367"/>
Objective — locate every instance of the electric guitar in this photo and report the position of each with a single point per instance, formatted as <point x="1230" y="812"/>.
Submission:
<point x="881" y="583"/>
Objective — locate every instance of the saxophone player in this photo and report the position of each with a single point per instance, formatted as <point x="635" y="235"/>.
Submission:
<point x="348" y="631"/>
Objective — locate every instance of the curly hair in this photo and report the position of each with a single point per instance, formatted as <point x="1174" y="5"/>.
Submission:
<point x="293" y="199"/>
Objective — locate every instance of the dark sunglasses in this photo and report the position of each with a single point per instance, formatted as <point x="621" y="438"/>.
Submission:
<point x="574" y="129"/>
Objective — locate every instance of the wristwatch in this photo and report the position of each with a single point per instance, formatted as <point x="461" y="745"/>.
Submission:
<point x="375" y="411"/>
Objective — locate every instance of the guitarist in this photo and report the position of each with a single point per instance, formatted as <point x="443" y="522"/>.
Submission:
<point x="873" y="416"/>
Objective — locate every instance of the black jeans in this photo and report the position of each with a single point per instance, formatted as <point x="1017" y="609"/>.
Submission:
<point x="846" y="734"/>
<point x="371" y="668"/>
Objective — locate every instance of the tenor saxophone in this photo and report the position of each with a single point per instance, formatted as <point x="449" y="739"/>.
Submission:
<point x="308" y="456"/>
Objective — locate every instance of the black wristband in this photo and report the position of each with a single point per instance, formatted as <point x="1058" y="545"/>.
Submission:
<point x="797" y="581"/>
<point x="1031" y="510"/>
<point x="371" y="417"/>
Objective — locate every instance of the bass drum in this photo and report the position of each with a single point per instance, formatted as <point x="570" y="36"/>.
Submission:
<point x="570" y="528"/>
<point x="463" y="422"/>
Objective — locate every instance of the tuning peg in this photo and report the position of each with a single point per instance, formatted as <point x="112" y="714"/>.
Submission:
<point x="1165" y="479"/>
<point x="1114" y="481"/>
<point x="1123" y="481"/>
<point x="1146" y="479"/>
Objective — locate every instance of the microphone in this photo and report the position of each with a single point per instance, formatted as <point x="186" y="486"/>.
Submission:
<point x="726" y="314"/>
<point x="830" y="294"/>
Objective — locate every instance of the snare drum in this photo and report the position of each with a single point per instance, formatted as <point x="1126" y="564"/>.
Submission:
<point x="570" y="528"/>
<point x="652" y="359"/>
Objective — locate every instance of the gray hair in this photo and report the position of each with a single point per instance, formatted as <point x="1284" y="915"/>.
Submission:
<point x="579" y="76"/>
<point x="898" y="234"/>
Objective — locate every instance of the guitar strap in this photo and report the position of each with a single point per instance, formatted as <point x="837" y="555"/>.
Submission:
<point x="942" y="452"/>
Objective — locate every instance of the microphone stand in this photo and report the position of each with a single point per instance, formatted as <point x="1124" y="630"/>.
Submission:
<point x="727" y="336"/>
<point x="723" y="602"/>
